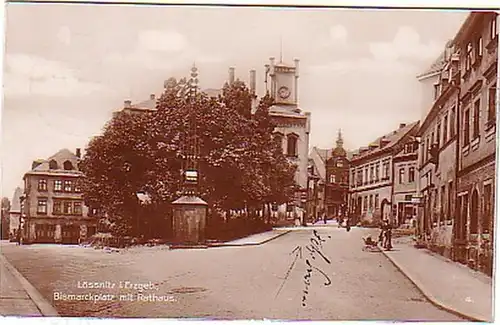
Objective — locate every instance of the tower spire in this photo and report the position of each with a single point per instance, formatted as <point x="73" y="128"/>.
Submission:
<point x="340" y="141"/>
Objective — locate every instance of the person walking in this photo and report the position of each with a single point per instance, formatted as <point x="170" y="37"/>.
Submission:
<point x="386" y="235"/>
<point x="347" y="225"/>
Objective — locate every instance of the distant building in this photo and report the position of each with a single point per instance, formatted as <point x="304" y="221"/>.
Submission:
<point x="15" y="211"/>
<point x="53" y="209"/>
<point x="337" y="181"/>
<point x="477" y="43"/>
<point x="372" y="176"/>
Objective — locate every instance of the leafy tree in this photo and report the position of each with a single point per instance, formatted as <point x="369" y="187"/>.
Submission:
<point x="239" y="163"/>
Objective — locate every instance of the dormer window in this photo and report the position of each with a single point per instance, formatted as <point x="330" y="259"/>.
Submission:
<point x="468" y="59"/>
<point x="68" y="165"/>
<point x="53" y="164"/>
<point x="493" y="28"/>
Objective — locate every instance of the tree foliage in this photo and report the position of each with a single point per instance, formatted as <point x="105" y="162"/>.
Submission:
<point x="240" y="164"/>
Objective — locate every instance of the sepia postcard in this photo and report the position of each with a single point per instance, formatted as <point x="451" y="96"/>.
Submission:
<point x="218" y="162"/>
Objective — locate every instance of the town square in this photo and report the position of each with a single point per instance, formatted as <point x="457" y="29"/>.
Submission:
<point x="227" y="163"/>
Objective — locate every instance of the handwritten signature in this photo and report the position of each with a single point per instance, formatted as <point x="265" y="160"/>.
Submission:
<point x="315" y="250"/>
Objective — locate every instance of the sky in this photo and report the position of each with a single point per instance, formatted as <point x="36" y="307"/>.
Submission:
<point x="68" y="67"/>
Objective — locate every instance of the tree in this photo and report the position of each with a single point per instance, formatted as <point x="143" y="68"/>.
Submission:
<point x="239" y="163"/>
<point x="5" y="217"/>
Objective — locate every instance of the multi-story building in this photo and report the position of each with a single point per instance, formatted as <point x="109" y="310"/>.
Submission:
<point x="372" y="176"/>
<point x="438" y="158"/>
<point x="336" y="188"/>
<point x="317" y="166"/>
<point x="477" y="43"/>
<point x="53" y="209"/>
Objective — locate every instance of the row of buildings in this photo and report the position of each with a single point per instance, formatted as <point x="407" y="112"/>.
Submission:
<point x="438" y="173"/>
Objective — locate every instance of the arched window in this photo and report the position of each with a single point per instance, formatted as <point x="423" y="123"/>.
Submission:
<point x="53" y="164"/>
<point x="68" y="165"/>
<point x="474" y="212"/>
<point x="291" y="148"/>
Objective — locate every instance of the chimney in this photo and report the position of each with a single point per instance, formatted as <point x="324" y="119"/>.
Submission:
<point x="252" y="82"/>
<point x="78" y="153"/>
<point x="127" y="104"/>
<point x="231" y="75"/>
<point x="152" y="96"/>
<point x="384" y="142"/>
<point x="402" y="125"/>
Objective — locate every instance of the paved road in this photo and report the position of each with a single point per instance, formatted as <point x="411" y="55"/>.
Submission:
<point x="232" y="283"/>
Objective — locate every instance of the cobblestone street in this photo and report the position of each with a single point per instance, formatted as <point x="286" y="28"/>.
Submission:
<point x="231" y="283"/>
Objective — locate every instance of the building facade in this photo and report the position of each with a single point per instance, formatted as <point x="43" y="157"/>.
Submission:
<point x="438" y="157"/>
<point x="371" y="185"/>
<point x="405" y="184"/>
<point x="477" y="43"/>
<point x="52" y="208"/>
<point x="336" y="190"/>
<point x="15" y="213"/>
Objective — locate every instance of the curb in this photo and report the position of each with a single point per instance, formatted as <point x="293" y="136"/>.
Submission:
<point x="250" y="244"/>
<point x="173" y="247"/>
<point x="428" y="296"/>
<point x="45" y="308"/>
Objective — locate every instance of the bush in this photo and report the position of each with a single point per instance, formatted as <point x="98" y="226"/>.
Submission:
<point x="219" y="230"/>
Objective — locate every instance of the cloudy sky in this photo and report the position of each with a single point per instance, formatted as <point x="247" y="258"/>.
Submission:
<point x="68" y="67"/>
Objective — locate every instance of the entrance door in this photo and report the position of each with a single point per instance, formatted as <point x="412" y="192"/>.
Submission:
<point x="70" y="234"/>
<point x="45" y="233"/>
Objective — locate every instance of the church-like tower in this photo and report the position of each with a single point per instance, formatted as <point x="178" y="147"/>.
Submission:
<point x="337" y="180"/>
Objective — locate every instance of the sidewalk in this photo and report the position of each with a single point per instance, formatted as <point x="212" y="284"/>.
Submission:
<point x="18" y="297"/>
<point x="449" y="285"/>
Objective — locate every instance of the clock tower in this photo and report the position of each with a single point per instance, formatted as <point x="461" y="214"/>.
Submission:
<point x="283" y="82"/>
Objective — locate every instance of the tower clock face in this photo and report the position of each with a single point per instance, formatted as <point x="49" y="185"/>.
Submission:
<point x="284" y="92"/>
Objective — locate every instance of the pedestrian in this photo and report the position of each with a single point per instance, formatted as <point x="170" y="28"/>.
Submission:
<point x="18" y="237"/>
<point x="347" y="225"/>
<point x="324" y="217"/>
<point x="387" y="234"/>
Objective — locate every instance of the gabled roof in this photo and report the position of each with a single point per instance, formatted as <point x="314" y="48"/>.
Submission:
<point x="320" y="156"/>
<point x="15" y="204"/>
<point x="435" y="67"/>
<point x="391" y="140"/>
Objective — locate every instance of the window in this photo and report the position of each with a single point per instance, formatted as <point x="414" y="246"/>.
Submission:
<point x="376" y="202"/>
<point x="372" y="173"/>
<point x="360" y="177"/>
<point x="466" y="127"/>
<point x="442" y="203"/>
<point x="371" y="202"/>
<point x="57" y="208"/>
<point x="42" y="184"/>
<point x="339" y="163"/>
<point x="278" y="139"/>
<point x="475" y="121"/>
<point x="468" y="59"/>
<point x="438" y="135"/>
<point x="365" y="204"/>
<point x="353" y="177"/>
<point x="332" y="178"/>
<point x="77" y="208"/>
<point x="68" y="208"/>
<point x="68" y="165"/>
<point x="492" y="93"/>
<point x="432" y="139"/>
<point x="291" y="148"/>
<point x="401" y="175"/>
<point x="77" y="188"/>
<point x="411" y="174"/>
<point x="67" y="186"/>
<point x="377" y="172"/>
<point x="385" y="172"/>
<point x="479" y="48"/>
<point x="493" y="27"/>
<point x="449" y="213"/>
<point x="452" y="122"/>
<point x="366" y="176"/>
<point x="474" y="212"/>
<point x="427" y="147"/>
<point x="57" y="185"/>
<point x="488" y="208"/>
<point x="53" y="164"/>
<point x="436" y="91"/>
<point x="42" y="206"/>
<point x="445" y="129"/>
